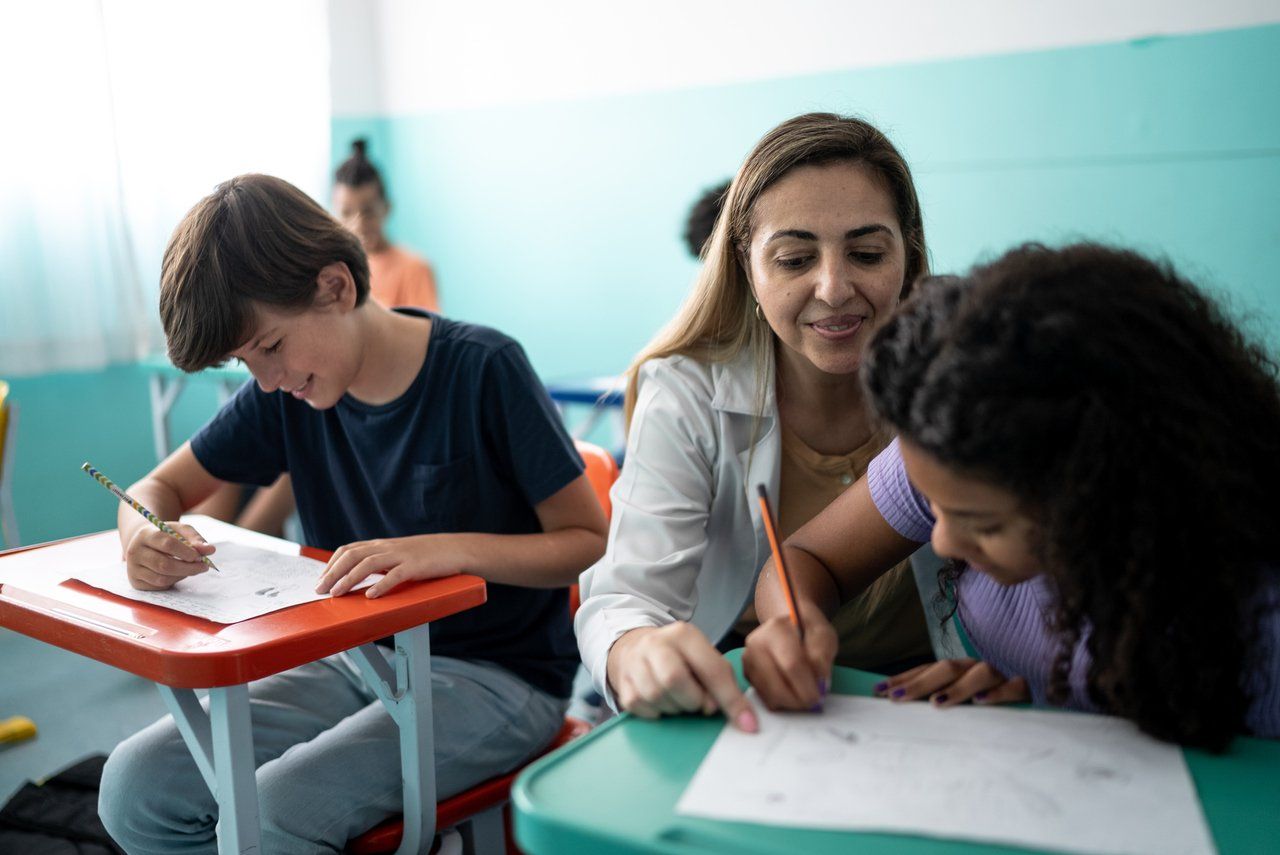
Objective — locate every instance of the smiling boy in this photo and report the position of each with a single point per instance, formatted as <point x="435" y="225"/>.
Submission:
<point x="418" y="447"/>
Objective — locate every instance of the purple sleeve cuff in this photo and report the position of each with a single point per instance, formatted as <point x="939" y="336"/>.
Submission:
<point x="901" y="505"/>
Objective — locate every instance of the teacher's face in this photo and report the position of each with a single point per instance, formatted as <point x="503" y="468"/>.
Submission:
<point x="826" y="262"/>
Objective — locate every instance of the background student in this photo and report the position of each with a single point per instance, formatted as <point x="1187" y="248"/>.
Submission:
<point x="1097" y="449"/>
<point x="397" y="277"/>
<point x="701" y="221"/>
<point x="755" y="381"/>
<point x="419" y="447"/>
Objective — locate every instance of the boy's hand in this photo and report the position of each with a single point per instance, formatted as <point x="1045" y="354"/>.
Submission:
<point x="789" y="674"/>
<point x="155" y="561"/>
<point x="425" y="556"/>
<point x="954" y="681"/>
<point x="674" y="669"/>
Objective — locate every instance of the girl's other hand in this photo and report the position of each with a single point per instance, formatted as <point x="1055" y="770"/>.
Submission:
<point x="954" y="681"/>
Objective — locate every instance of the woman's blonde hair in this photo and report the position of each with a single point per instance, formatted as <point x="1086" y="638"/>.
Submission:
<point x="718" y="321"/>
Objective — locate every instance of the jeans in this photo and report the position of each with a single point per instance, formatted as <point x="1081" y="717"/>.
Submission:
<point x="328" y="757"/>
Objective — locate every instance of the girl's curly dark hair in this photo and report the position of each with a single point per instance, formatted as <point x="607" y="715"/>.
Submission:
<point x="1141" y="429"/>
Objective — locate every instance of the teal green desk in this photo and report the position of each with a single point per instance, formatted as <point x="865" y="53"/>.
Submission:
<point x="615" y="790"/>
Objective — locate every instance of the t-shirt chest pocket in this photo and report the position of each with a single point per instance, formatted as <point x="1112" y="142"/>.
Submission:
<point x="445" y="494"/>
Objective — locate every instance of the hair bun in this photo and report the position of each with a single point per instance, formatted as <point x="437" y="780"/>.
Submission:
<point x="359" y="146"/>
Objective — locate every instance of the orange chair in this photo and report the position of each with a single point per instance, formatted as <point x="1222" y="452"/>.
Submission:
<point x="481" y="812"/>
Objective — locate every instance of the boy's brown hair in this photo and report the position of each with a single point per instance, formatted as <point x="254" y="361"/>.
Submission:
<point x="254" y="239"/>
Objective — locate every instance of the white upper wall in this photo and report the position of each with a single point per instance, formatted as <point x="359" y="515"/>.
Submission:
<point x="395" y="57"/>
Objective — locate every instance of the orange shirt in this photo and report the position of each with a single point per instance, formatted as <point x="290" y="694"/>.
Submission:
<point x="400" y="278"/>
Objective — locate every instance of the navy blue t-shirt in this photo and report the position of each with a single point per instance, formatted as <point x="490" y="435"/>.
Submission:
<point x="471" y="446"/>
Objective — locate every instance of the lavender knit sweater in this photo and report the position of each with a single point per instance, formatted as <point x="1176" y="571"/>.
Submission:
<point x="1008" y="625"/>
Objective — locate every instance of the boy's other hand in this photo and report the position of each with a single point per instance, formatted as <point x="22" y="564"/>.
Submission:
<point x="790" y="674"/>
<point x="401" y="559"/>
<point x="155" y="561"/>
<point x="954" y="681"/>
<point x="674" y="669"/>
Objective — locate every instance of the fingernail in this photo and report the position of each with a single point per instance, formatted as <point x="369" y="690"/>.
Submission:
<point x="746" y="722"/>
<point x="898" y="692"/>
<point x="980" y="696"/>
<point x="816" y="707"/>
<point x="940" y="698"/>
<point x="881" y="687"/>
<point x="822" y="687"/>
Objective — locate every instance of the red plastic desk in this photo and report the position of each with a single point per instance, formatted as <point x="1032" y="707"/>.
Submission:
<point x="182" y="653"/>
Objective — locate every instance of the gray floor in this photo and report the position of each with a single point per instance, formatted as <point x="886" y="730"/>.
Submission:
<point x="80" y="707"/>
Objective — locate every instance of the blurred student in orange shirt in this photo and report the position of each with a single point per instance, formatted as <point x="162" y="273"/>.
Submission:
<point x="397" y="277"/>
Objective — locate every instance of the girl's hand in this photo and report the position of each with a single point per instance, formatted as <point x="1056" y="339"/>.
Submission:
<point x="155" y="561"/>
<point x="426" y="556"/>
<point x="674" y="669"/>
<point x="790" y="674"/>
<point x="954" y="681"/>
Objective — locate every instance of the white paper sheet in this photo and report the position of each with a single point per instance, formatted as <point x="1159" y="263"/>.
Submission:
<point x="1066" y="781"/>
<point x="252" y="582"/>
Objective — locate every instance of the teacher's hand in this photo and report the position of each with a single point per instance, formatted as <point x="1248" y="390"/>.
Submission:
<point x="674" y="669"/>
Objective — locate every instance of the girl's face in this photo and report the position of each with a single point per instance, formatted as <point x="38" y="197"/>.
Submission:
<point x="362" y="210"/>
<point x="826" y="263"/>
<point x="977" y="522"/>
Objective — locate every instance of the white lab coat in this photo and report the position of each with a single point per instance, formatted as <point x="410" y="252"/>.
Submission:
<point x="686" y="541"/>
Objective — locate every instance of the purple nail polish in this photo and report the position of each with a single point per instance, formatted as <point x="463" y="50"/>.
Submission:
<point x="816" y="707"/>
<point x="940" y="699"/>
<point x="881" y="687"/>
<point x="822" y="687"/>
<point x="897" y="693"/>
<point x="980" y="696"/>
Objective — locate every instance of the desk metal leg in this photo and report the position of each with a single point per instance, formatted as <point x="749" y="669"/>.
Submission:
<point x="406" y="693"/>
<point x="163" y="393"/>
<point x="221" y="741"/>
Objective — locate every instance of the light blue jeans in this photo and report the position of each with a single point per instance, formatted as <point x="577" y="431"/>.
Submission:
<point x="328" y="757"/>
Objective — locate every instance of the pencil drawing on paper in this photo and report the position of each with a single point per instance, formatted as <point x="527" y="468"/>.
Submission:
<point x="1065" y="781"/>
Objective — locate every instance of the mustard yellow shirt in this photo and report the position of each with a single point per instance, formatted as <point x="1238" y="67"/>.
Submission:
<point x="885" y="623"/>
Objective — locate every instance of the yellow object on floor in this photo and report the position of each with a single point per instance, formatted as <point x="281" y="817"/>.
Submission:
<point x="16" y="729"/>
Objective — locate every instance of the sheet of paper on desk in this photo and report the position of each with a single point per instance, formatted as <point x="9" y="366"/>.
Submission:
<point x="252" y="582"/>
<point x="1054" y="780"/>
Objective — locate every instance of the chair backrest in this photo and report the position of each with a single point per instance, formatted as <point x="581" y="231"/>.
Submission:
<point x="602" y="471"/>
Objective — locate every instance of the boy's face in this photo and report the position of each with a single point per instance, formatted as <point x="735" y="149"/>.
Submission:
<point x="313" y="354"/>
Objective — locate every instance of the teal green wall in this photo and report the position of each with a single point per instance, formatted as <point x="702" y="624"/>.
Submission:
<point x="100" y="416"/>
<point x="559" y="222"/>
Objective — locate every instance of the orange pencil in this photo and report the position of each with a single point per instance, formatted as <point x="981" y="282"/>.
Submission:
<point x="788" y="591"/>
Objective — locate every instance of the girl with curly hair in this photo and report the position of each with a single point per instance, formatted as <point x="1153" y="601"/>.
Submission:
<point x="1097" y="450"/>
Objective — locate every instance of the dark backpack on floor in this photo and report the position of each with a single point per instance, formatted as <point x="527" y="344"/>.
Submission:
<point x="59" y="817"/>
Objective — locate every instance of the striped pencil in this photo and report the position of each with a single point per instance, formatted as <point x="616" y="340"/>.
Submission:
<point x="131" y="502"/>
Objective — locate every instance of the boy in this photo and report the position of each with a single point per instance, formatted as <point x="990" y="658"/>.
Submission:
<point x="419" y="447"/>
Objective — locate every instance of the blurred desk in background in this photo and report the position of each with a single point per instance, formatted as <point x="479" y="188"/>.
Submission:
<point x="166" y="383"/>
<point x="604" y="396"/>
